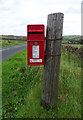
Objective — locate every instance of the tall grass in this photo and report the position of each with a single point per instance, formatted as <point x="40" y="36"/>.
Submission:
<point x="22" y="86"/>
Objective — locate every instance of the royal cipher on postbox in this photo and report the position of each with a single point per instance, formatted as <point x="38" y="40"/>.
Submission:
<point x="35" y="44"/>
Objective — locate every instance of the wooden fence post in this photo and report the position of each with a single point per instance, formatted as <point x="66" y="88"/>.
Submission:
<point x="52" y="59"/>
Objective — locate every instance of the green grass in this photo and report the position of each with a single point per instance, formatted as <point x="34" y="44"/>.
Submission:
<point x="0" y="90"/>
<point x="5" y="43"/>
<point x="64" y="41"/>
<point x="22" y="86"/>
<point x="77" y="37"/>
<point x="76" y="45"/>
<point x="0" y="43"/>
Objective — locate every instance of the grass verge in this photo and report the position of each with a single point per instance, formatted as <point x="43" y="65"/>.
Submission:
<point x="0" y="90"/>
<point x="22" y="85"/>
<point x="6" y="43"/>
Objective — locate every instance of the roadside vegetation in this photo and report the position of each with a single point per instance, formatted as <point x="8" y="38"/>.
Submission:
<point x="75" y="45"/>
<point x="0" y="90"/>
<point x="11" y="40"/>
<point x="22" y="86"/>
<point x="6" y="43"/>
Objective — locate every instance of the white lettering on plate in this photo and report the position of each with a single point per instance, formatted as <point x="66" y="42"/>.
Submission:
<point x="35" y="60"/>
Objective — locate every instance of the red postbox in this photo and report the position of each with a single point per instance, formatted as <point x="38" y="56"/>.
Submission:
<point x="35" y="44"/>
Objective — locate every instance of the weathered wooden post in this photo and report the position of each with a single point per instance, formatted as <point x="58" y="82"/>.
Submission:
<point x="52" y="59"/>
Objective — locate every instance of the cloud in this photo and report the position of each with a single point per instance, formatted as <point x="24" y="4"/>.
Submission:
<point x="16" y="14"/>
<point x="72" y="26"/>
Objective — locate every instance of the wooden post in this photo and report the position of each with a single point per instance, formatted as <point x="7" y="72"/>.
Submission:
<point x="52" y="59"/>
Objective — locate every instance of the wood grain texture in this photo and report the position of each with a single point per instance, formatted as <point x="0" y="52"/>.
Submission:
<point x="52" y="63"/>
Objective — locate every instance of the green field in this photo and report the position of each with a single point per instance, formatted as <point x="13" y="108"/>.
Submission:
<point x="71" y="36"/>
<point x="75" y="45"/>
<point x="73" y="39"/>
<point x="6" y="43"/>
<point x="65" y="40"/>
<point x="22" y="86"/>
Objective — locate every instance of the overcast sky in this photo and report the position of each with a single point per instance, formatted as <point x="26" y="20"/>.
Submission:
<point x="15" y="15"/>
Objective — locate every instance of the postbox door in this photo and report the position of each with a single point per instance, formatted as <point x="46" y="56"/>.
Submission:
<point x="35" y="44"/>
<point x="35" y="53"/>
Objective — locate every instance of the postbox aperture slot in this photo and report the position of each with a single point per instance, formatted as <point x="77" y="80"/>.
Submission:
<point x="35" y="32"/>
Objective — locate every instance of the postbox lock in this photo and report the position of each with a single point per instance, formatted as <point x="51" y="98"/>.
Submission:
<point x="35" y="42"/>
